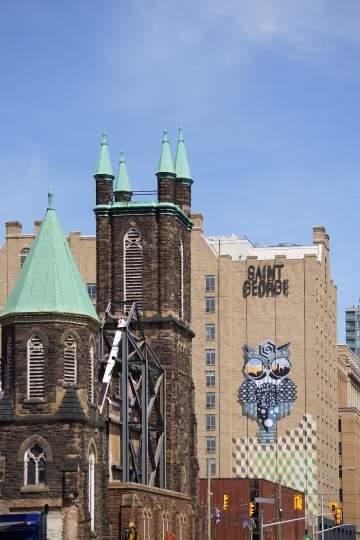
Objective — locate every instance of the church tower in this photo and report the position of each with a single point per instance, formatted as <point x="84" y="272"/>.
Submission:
<point x="52" y="438"/>
<point x="143" y="255"/>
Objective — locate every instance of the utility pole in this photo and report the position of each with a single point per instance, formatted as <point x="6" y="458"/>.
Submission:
<point x="280" y="509"/>
<point x="208" y="516"/>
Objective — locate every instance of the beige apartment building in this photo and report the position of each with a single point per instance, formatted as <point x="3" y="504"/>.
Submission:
<point x="264" y="361"/>
<point x="349" y="435"/>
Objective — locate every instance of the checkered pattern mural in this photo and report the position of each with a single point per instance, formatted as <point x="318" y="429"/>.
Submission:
<point x="293" y="457"/>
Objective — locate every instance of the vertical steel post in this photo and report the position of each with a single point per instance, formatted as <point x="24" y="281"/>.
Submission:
<point x="125" y="407"/>
<point x="162" y="392"/>
<point x="261" y="526"/>
<point x="280" y="508"/>
<point x="144" y="420"/>
<point x="208" y="506"/>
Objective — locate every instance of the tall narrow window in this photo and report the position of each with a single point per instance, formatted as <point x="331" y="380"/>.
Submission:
<point x="91" y="374"/>
<point x="133" y="267"/>
<point x="36" y="367"/>
<point x="23" y="254"/>
<point x="181" y="279"/>
<point x="92" y="487"/>
<point x="35" y="466"/>
<point x="9" y="362"/>
<point x="70" y="360"/>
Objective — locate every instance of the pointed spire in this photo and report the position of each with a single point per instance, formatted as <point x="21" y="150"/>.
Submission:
<point x="181" y="163"/>
<point x="122" y="184"/>
<point x="165" y="162"/>
<point x="49" y="282"/>
<point x="103" y="166"/>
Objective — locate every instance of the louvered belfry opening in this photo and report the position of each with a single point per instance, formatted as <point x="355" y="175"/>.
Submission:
<point x="70" y="360"/>
<point x="36" y="367"/>
<point x="9" y="363"/>
<point x="133" y="267"/>
<point x="91" y="375"/>
<point x="181" y="279"/>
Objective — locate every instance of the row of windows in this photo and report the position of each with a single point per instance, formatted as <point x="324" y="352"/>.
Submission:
<point x="36" y="366"/>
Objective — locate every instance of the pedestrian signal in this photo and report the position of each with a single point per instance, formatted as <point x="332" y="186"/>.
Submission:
<point x="217" y="516"/>
<point x="298" y="502"/>
<point x="333" y="507"/>
<point x="338" y="516"/>
<point x="226" y="502"/>
<point x="251" y="509"/>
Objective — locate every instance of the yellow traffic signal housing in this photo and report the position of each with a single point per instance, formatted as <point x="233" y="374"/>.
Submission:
<point x="226" y="502"/>
<point x="251" y="509"/>
<point x="333" y="507"/>
<point x="298" y="502"/>
<point x="338" y="516"/>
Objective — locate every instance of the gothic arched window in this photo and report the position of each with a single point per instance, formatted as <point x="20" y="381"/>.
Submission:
<point x="23" y="254"/>
<point x="133" y="267"/>
<point x="181" y="279"/>
<point x="70" y="360"/>
<point x="35" y="367"/>
<point x="35" y="466"/>
<point x="91" y="374"/>
<point x="91" y="480"/>
<point x="9" y="362"/>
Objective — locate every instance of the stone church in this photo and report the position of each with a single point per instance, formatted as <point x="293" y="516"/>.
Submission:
<point x="60" y="456"/>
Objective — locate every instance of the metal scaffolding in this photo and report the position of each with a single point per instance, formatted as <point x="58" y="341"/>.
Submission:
<point x="133" y="383"/>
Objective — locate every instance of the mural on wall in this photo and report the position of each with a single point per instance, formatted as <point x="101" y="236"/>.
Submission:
<point x="267" y="392"/>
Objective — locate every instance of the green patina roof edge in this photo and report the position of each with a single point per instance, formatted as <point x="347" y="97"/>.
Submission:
<point x="164" y="207"/>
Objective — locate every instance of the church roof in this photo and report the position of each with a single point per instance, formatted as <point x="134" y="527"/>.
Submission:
<point x="165" y="162"/>
<point x="103" y="166"/>
<point x="122" y="183"/>
<point x="49" y="281"/>
<point x="181" y="163"/>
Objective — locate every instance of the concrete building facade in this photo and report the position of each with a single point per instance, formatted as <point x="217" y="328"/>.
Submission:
<point x="265" y="357"/>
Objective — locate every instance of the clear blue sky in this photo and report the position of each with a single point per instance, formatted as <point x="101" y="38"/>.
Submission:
<point x="267" y="92"/>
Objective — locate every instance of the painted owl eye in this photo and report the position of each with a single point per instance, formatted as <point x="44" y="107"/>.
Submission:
<point x="255" y="368"/>
<point x="280" y="367"/>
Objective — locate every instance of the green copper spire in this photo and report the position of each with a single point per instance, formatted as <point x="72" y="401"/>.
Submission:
<point x="49" y="281"/>
<point x="103" y="166"/>
<point x="165" y="162"/>
<point x="181" y="163"/>
<point x="122" y="184"/>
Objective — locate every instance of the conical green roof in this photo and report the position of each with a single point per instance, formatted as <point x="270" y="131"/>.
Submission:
<point x="103" y="166"/>
<point x="49" y="281"/>
<point x="181" y="163"/>
<point x="122" y="183"/>
<point x="165" y="162"/>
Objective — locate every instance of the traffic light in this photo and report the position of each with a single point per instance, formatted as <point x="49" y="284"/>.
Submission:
<point x="338" y="516"/>
<point x="226" y="502"/>
<point x="298" y="502"/>
<point x="333" y="507"/>
<point x="251" y="509"/>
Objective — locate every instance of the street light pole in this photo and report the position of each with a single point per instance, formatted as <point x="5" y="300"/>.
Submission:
<point x="322" y="495"/>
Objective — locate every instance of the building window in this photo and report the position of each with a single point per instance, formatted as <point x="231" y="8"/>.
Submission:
<point x="340" y="471"/>
<point x="340" y="449"/>
<point x="210" y="422"/>
<point x="210" y="444"/>
<point x="210" y="304"/>
<point x="133" y="267"/>
<point x="70" y="360"/>
<point x="210" y="400"/>
<point x="210" y="357"/>
<point x="91" y="374"/>
<point x="210" y="331"/>
<point x="212" y="466"/>
<point x="340" y="495"/>
<point x="91" y="289"/>
<point x="35" y="367"/>
<point x="92" y="487"/>
<point x="210" y="378"/>
<point x="339" y="425"/>
<point x="181" y="279"/>
<point x="9" y="362"/>
<point x="35" y="466"/>
<point x="23" y="254"/>
<point x="210" y="283"/>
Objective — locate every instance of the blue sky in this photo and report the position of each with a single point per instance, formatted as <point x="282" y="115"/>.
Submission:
<point x="267" y="92"/>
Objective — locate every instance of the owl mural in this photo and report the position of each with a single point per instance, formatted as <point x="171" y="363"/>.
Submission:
<point x="267" y="392"/>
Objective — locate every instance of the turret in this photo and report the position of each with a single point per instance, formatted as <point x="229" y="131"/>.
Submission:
<point x="183" y="180"/>
<point x="166" y="173"/>
<point x="122" y="189"/>
<point x="103" y="174"/>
